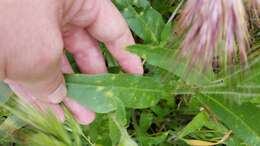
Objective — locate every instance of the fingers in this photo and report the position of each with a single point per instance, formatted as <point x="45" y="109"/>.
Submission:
<point x="130" y="62"/>
<point x="109" y="27"/>
<point x="85" y="51"/>
<point x="81" y="114"/>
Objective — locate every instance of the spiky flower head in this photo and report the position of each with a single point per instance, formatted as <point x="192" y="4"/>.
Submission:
<point x="214" y="28"/>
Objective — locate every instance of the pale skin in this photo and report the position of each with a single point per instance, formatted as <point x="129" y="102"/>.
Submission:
<point x="33" y="34"/>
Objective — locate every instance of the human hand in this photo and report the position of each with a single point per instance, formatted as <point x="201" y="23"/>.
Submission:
<point x="33" y="34"/>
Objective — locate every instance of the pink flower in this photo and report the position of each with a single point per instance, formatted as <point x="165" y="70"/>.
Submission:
<point x="214" y="28"/>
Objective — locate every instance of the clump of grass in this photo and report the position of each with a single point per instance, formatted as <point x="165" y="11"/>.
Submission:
<point x="46" y="129"/>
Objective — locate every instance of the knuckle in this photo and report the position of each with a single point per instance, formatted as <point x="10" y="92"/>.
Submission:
<point x="82" y="13"/>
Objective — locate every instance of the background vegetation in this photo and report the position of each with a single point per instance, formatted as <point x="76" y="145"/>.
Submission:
<point x="172" y="104"/>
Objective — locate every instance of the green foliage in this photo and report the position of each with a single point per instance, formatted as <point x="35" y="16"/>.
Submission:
<point x="172" y="104"/>
<point x="239" y="118"/>
<point x="197" y="123"/>
<point x="101" y="93"/>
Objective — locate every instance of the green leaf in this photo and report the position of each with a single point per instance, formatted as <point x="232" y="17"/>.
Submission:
<point x="111" y="62"/>
<point x="121" y="4"/>
<point x="216" y="126"/>
<point x="120" y="112"/>
<point x="99" y="131"/>
<point x="125" y="139"/>
<point x="141" y="3"/>
<point x="155" y="140"/>
<point x="98" y="92"/>
<point x="114" y="132"/>
<point x="125" y="3"/>
<point x="242" y="84"/>
<point x="234" y="141"/>
<point x="165" y="58"/>
<point x="197" y="123"/>
<point x="241" y="119"/>
<point x="165" y="35"/>
<point x="237" y="92"/>
<point x="147" y="24"/>
<point x="145" y="122"/>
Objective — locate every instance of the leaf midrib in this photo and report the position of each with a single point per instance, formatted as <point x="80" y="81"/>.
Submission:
<point x="125" y="88"/>
<point x="241" y="120"/>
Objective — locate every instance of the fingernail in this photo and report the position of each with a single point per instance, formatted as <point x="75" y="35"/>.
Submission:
<point x="86" y="117"/>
